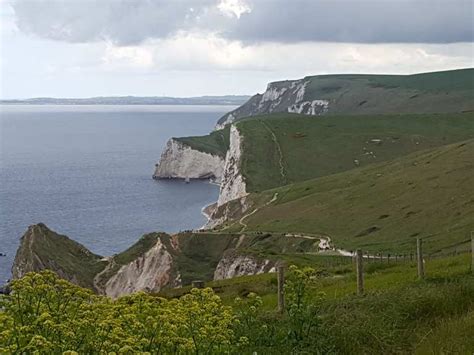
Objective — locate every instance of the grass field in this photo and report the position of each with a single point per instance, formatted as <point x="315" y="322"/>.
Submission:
<point x="216" y="143"/>
<point x="361" y="94"/>
<point x="381" y="207"/>
<point x="448" y="91"/>
<point x="397" y="314"/>
<point x="308" y="147"/>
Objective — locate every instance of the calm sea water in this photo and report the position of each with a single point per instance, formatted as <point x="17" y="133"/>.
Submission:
<point x="85" y="171"/>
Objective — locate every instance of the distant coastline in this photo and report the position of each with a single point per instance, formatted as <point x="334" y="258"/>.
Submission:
<point x="133" y="100"/>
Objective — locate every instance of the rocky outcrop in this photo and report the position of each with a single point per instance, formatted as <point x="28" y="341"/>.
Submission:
<point x="41" y="248"/>
<point x="149" y="272"/>
<point x="233" y="264"/>
<point x="282" y="96"/>
<point x="179" y="161"/>
<point x="156" y="261"/>
<point x="233" y="182"/>
<point x="146" y="266"/>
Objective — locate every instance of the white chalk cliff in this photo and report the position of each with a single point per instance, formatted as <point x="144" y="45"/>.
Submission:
<point x="233" y="264"/>
<point x="149" y="272"/>
<point x="281" y="96"/>
<point x="179" y="161"/>
<point x="233" y="183"/>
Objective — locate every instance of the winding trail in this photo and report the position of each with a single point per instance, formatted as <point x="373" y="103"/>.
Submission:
<point x="95" y="282"/>
<point x="280" y="153"/>
<point x="241" y="221"/>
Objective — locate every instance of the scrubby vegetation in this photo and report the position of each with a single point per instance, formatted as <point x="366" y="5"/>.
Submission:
<point x="397" y="315"/>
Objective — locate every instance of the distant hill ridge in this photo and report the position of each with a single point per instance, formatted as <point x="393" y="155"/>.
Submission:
<point x="436" y="92"/>
<point x="134" y="100"/>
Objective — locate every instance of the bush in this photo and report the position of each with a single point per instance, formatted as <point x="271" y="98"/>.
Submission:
<point x="50" y="315"/>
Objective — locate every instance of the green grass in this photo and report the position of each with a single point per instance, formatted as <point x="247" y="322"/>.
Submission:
<point x="216" y="143"/>
<point x="144" y="244"/>
<point x="314" y="147"/>
<point x="450" y="80"/>
<point x="381" y="207"/>
<point x="42" y="248"/>
<point x="397" y="314"/>
<point x="338" y="278"/>
<point x="450" y="336"/>
<point x="362" y="94"/>
<point x="448" y="91"/>
<point x="199" y="253"/>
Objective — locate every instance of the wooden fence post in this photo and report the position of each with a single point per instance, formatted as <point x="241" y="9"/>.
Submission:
<point x="419" y="256"/>
<point x="388" y="258"/>
<point x="360" y="272"/>
<point x="472" y="252"/>
<point x="381" y="257"/>
<point x="281" y="288"/>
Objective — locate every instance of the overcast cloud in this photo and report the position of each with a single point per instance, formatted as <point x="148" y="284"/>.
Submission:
<point x="360" y="21"/>
<point x="82" y="48"/>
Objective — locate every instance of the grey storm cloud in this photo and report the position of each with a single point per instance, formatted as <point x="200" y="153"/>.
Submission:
<point x="361" y="21"/>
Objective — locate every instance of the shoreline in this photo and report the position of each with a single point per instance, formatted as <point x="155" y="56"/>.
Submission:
<point x="207" y="211"/>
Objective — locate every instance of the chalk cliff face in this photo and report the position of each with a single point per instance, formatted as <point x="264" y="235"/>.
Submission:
<point x="156" y="261"/>
<point x="149" y="272"/>
<point x="282" y="96"/>
<point x="234" y="264"/>
<point x="179" y="161"/>
<point x="233" y="183"/>
<point x="147" y="266"/>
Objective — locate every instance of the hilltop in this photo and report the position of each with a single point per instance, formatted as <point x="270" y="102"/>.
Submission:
<point x="446" y="91"/>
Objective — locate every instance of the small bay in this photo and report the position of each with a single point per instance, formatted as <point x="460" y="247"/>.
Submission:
<point x="85" y="171"/>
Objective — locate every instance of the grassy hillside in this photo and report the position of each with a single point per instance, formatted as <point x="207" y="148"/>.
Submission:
<point x="195" y="255"/>
<point x="42" y="248"/>
<point x="199" y="253"/>
<point x="447" y="91"/>
<point x="398" y="313"/>
<point x="215" y="143"/>
<point x="361" y="94"/>
<point x="281" y="149"/>
<point x="381" y="207"/>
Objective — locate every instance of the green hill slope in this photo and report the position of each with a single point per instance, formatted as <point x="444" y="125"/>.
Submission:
<point x="216" y="143"/>
<point x="447" y="91"/>
<point x="381" y="207"/>
<point x="42" y="248"/>
<point x="281" y="149"/>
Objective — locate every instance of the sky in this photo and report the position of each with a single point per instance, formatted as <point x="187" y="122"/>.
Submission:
<point x="85" y="48"/>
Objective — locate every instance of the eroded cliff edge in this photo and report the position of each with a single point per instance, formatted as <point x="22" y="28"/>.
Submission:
<point x="156" y="261"/>
<point x="281" y="96"/>
<point x="180" y="161"/>
<point x="233" y="182"/>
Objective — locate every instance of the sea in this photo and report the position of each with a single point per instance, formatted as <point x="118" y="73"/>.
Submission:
<point x="86" y="172"/>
